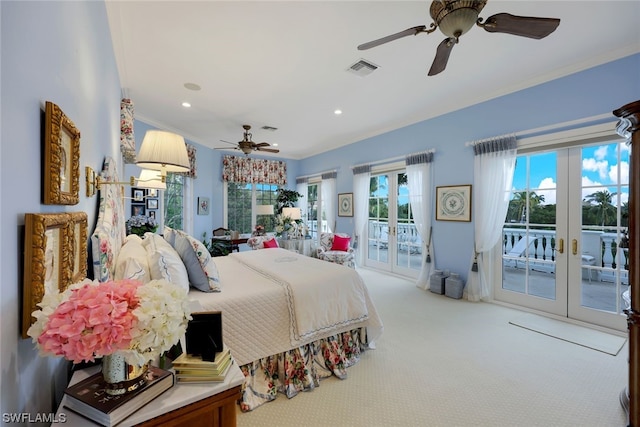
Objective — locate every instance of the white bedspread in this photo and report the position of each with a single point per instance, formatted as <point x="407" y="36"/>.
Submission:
<point x="273" y="300"/>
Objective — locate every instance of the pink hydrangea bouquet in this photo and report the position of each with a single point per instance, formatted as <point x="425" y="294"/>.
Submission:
<point x="93" y="319"/>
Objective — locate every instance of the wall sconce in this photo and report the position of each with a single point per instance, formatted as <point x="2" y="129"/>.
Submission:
<point x="160" y="151"/>
<point x="148" y="179"/>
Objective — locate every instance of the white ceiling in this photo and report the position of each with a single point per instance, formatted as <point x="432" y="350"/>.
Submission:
<point x="283" y="64"/>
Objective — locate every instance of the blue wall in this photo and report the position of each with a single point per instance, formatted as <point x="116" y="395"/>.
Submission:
<point x="58" y="52"/>
<point x="589" y="93"/>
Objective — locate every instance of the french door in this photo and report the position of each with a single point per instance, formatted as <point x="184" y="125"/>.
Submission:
<point x="563" y="248"/>
<point x="393" y="241"/>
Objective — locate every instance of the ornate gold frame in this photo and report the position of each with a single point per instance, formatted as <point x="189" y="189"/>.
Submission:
<point x="61" y="158"/>
<point x="51" y="248"/>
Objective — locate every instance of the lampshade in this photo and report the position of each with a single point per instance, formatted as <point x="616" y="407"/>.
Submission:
<point x="293" y="213"/>
<point x="151" y="179"/>
<point x="264" y="210"/>
<point x="163" y="151"/>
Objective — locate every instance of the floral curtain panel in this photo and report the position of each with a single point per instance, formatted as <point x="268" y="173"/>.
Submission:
<point x="248" y="170"/>
<point x="191" y="153"/>
<point x="127" y="140"/>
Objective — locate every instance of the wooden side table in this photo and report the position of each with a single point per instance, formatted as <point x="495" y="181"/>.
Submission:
<point x="205" y="405"/>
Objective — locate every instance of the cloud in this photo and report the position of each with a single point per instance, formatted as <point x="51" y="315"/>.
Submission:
<point x="593" y="165"/>
<point x="624" y="173"/>
<point x="601" y="152"/>
<point x="547" y="188"/>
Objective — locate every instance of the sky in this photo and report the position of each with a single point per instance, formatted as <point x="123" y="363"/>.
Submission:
<point x="603" y="166"/>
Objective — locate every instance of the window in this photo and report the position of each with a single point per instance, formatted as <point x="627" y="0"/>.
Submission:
<point x="174" y="201"/>
<point x="240" y="200"/>
<point x="312" y="210"/>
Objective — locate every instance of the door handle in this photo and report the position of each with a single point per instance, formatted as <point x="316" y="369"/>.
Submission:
<point x="393" y="232"/>
<point x="574" y="246"/>
<point x="561" y="246"/>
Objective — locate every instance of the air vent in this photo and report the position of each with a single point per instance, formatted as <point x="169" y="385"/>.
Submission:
<point x="269" y="128"/>
<point x="362" y="68"/>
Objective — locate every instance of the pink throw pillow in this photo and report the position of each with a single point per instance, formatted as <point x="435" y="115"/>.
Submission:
<point x="272" y="243"/>
<point x="340" y="243"/>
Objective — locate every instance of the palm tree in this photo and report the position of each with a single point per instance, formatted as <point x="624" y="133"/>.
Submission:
<point x="602" y="199"/>
<point x="520" y="202"/>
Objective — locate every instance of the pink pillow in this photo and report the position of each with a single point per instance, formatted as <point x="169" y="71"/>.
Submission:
<point x="272" y="243"/>
<point x="340" y="243"/>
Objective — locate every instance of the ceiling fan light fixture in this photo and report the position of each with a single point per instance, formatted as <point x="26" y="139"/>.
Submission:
<point x="456" y="17"/>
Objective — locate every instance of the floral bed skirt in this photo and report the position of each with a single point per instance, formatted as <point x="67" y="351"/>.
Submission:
<point x="300" y="369"/>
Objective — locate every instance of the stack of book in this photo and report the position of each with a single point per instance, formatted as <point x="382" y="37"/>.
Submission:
<point x="193" y="369"/>
<point x="89" y="398"/>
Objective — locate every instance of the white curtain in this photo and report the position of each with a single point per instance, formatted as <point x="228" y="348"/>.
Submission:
<point x="329" y="194"/>
<point x="493" y="168"/>
<point x="302" y="203"/>
<point x="361" y="181"/>
<point x="419" y="179"/>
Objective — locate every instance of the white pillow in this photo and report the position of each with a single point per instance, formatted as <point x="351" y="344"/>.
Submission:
<point x="164" y="261"/>
<point x="132" y="262"/>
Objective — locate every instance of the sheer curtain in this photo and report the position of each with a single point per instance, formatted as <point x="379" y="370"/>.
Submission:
<point x="329" y="195"/>
<point x="302" y="203"/>
<point x="419" y="179"/>
<point x="361" y="179"/>
<point x="493" y="168"/>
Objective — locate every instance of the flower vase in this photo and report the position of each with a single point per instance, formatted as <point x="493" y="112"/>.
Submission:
<point x="121" y="377"/>
<point x="285" y="235"/>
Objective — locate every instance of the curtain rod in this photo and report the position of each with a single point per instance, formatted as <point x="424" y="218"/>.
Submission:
<point x="317" y="173"/>
<point x="549" y="128"/>
<point x="393" y="159"/>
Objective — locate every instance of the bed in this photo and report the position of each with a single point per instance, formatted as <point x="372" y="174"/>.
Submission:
<point x="289" y="320"/>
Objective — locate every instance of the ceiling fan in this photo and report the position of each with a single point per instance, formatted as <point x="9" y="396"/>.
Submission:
<point x="456" y="17"/>
<point x="247" y="145"/>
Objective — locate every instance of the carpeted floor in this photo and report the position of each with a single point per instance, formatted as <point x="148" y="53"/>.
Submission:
<point x="446" y="362"/>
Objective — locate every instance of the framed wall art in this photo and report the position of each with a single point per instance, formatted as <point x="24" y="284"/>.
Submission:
<point x="453" y="203"/>
<point x="345" y="204"/>
<point x="203" y="206"/>
<point x="137" y="210"/>
<point x="61" y="158"/>
<point x="48" y="252"/>
<point x="79" y="237"/>
<point x="152" y="203"/>
<point x="137" y="195"/>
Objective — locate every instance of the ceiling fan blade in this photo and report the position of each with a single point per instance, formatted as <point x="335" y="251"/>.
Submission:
<point x="408" y="32"/>
<point x="442" y="56"/>
<point x="269" y="150"/>
<point x="525" y="26"/>
<point x="226" y="148"/>
<point x="261" y="144"/>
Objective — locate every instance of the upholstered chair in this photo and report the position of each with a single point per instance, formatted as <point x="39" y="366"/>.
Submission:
<point x="336" y="248"/>
<point x="257" y="242"/>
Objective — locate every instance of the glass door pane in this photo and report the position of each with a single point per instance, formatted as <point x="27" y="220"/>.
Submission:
<point x="530" y="236"/>
<point x="408" y="241"/>
<point x="600" y="271"/>
<point x="378" y="230"/>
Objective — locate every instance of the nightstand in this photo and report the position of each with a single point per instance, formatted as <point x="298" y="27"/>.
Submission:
<point x="212" y="404"/>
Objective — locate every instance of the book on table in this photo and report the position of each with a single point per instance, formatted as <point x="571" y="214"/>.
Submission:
<point x="89" y="398"/>
<point x="188" y="375"/>
<point x="189" y="361"/>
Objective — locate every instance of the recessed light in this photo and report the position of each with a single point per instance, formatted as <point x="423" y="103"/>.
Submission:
<point x="337" y="112"/>
<point x="186" y="105"/>
<point x="192" y="86"/>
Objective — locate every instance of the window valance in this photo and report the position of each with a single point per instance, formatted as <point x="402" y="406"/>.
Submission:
<point x="249" y="170"/>
<point x="127" y="139"/>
